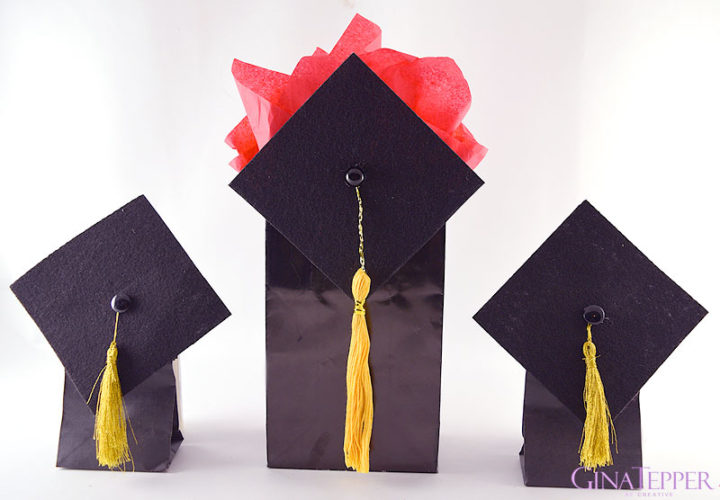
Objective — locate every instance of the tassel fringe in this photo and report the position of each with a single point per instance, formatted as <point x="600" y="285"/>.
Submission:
<point x="599" y="430"/>
<point x="359" y="410"/>
<point x="111" y="443"/>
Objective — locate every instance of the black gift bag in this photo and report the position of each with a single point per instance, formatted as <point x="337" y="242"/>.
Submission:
<point x="302" y="182"/>
<point x="307" y="337"/>
<point x="125" y="285"/>
<point x="540" y="316"/>
<point x="551" y="439"/>
<point x="152" y="408"/>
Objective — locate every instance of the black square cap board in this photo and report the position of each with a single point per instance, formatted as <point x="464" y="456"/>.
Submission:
<point x="537" y="315"/>
<point x="130" y="252"/>
<point x="413" y="181"/>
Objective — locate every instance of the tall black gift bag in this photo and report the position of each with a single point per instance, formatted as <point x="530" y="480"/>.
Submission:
<point x="354" y="179"/>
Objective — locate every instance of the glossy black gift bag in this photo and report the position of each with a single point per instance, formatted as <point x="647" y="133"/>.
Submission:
<point x="539" y="317"/>
<point x="551" y="439"/>
<point x="130" y="256"/>
<point x="307" y="341"/>
<point x="413" y="184"/>
<point x="153" y="410"/>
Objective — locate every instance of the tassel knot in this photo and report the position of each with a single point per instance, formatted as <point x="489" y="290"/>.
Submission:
<point x="590" y="351"/>
<point x="112" y="354"/>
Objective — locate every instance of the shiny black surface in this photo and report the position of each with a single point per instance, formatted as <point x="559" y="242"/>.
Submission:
<point x="308" y="335"/>
<point x="552" y="437"/>
<point x="153" y="411"/>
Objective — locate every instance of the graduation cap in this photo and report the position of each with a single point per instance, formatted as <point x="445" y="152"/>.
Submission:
<point x="125" y="283"/>
<point x="589" y="293"/>
<point x="356" y="179"/>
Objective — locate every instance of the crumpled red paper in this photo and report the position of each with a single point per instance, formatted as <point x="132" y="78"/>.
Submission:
<point x="434" y="87"/>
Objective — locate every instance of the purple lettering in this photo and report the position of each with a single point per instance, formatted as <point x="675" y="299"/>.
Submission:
<point x="651" y="479"/>
<point x="675" y="478"/>
<point x="664" y="477"/>
<point x="640" y="476"/>
<point x="572" y="478"/>
<point x="604" y="477"/>
<point x="704" y="477"/>
<point x="626" y="479"/>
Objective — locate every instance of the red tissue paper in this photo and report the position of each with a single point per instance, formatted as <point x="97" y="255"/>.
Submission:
<point x="433" y="87"/>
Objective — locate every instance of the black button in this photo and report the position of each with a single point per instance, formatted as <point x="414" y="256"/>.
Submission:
<point x="120" y="303"/>
<point x="354" y="177"/>
<point x="594" y="315"/>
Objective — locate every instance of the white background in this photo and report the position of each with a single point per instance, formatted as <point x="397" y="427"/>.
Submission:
<point x="613" y="101"/>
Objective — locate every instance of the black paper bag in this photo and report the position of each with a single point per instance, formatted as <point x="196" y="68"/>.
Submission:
<point x="168" y="305"/>
<point x="308" y="334"/>
<point x="413" y="183"/>
<point x="152" y="408"/>
<point x="551" y="434"/>
<point x="538" y="316"/>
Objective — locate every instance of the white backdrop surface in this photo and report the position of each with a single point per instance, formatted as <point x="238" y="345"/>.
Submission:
<point x="613" y="101"/>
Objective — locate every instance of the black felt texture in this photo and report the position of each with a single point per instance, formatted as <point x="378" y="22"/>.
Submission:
<point x="537" y="315"/>
<point x="131" y="251"/>
<point x="413" y="181"/>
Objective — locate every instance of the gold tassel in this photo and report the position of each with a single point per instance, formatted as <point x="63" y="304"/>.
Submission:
<point x="599" y="430"/>
<point x="111" y="442"/>
<point x="359" y="410"/>
<point x="359" y="406"/>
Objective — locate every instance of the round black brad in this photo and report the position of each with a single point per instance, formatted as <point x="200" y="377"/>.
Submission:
<point x="594" y="315"/>
<point x="120" y="303"/>
<point x="354" y="177"/>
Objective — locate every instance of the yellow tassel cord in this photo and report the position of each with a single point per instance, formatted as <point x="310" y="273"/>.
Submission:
<point x="359" y="409"/>
<point x="599" y="431"/>
<point x="111" y="442"/>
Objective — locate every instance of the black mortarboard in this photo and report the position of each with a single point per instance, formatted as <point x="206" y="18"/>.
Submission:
<point x="413" y="181"/>
<point x="537" y="316"/>
<point x="586" y="276"/>
<point x="130" y="252"/>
